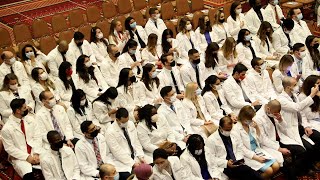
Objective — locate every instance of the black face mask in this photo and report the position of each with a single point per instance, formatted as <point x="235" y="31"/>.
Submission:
<point x="57" y="145"/>
<point x="197" y="61"/>
<point x="315" y="46"/>
<point x="24" y="113"/>
<point x="258" y="7"/>
<point x="132" y="79"/>
<point x="63" y="52"/>
<point x="79" y="44"/>
<point x="95" y="133"/>
<point x="208" y="23"/>
<point x="173" y="63"/>
<point x="221" y="20"/>
<point x="117" y="54"/>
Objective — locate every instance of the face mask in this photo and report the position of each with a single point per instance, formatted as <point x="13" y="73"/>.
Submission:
<point x="95" y="133"/>
<point x="173" y="99"/>
<point x="169" y="40"/>
<point x="208" y="23"/>
<point x="52" y="102"/>
<point x="44" y="76"/>
<point x="173" y="63"/>
<point x="154" y="118"/>
<point x="295" y="89"/>
<point x="79" y="44"/>
<point x="258" y="7"/>
<point x="69" y="72"/>
<point x="100" y="35"/>
<point x="133" y="79"/>
<point x="124" y="125"/>
<point x="247" y="37"/>
<point x="287" y="32"/>
<point x="263" y="66"/>
<point x="189" y="27"/>
<point x="83" y="102"/>
<point x="315" y="46"/>
<point x="133" y="25"/>
<point x="154" y="74"/>
<point x="241" y="78"/>
<point x="116" y="177"/>
<point x="117" y="54"/>
<point x="218" y="87"/>
<point x="238" y="11"/>
<point x="29" y="54"/>
<point x="157" y="16"/>
<point x="198" y="152"/>
<point x="88" y="64"/>
<point x="13" y="87"/>
<point x="288" y="68"/>
<point x="24" y="113"/>
<point x="197" y="61"/>
<point x="132" y="51"/>
<point x="12" y="60"/>
<point x="57" y="145"/>
<point x="275" y="2"/>
<point x="225" y="133"/>
<point x="299" y="16"/>
<point x="247" y="122"/>
<point x="303" y="54"/>
<point x="221" y="20"/>
<point x="198" y="92"/>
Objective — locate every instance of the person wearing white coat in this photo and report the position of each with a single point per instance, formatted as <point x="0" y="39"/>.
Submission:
<point x="273" y="14"/>
<point x="99" y="45"/>
<point x="155" y="24"/>
<point x="282" y="71"/>
<point x="21" y="139"/>
<point x="236" y="21"/>
<point x="299" y="54"/>
<point x="131" y="58"/>
<point x="136" y="32"/>
<point x="11" y="90"/>
<point x="56" y="56"/>
<point x="153" y="51"/>
<point x="59" y="162"/>
<point x="310" y="65"/>
<point x="171" y="46"/>
<point x="300" y="28"/>
<point x="223" y="148"/>
<point x="254" y="16"/>
<point x="283" y="38"/>
<point x="204" y="33"/>
<point x="92" y="151"/>
<point x="227" y="56"/>
<point x="111" y="67"/>
<point x="220" y="28"/>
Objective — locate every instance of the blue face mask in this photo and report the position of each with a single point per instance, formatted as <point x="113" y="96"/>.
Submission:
<point x="133" y="25"/>
<point x="116" y="177"/>
<point x="198" y="92"/>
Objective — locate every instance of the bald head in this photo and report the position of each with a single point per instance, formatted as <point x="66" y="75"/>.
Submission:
<point x="274" y="105"/>
<point x="288" y="82"/>
<point x="63" y="46"/>
<point x="6" y="56"/>
<point x="107" y="171"/>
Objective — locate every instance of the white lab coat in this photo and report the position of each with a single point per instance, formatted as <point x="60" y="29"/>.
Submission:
<point x="202" y="39"/>
<point x="150" y="28"/>
<point x="64" y="93"/>
<point x="44" y="119"/>
<point x="100" y="111"/>
<point x="73" y="52"/>
<point x="253" y="21"/>
<point x="259" y="86"/>
<point x="51" y="168"/>
<point x="312" y="117"/>
<point x="143" y="35"/>
<point x="301" y="31"/>
<point x="54" y="61"/>
<point x="216" y="153"/>
<point x="119" y="40"/>
<point x="220" y="33"/>
<point x="14" y="142"/>
<point x="145" y="96"/>
<point x="223" y="62"/>
<point x="270" y="15"/>
<point x="213" y="107"/>
<point x="277" y="78"/>
<point x="126" y="99"/>
<point x="185" y="45"/>
<point x="119" y="147"/>
<point x="245" y="55"/>
<point x="100" y="51"/>
<point x="110" y="71"/>
<point x="234" y="95"/>
<point x="166" y="79"/>
<point x="38" y="63"/>
<point x="289" y="111"/>
<point x="294" y="70"/>
<point x="234" y="26"/>
<point x="191" y="165"/>
<point x="176" y="55"/>
<point x="126" y="61"/>
<point x="260" y="140"/>
<point x="178" y="171"/>
<point x="308" y="66"/>
<point x="7" y="96"/>
<point x="212" y="71"/>
<point x="87" y="158"/>
<point x="280" y="41"/>
<point x="151" y="140"/>
<point x="263" y="49"/>
<point x="188" y="73"/>
<point x="36" y="91"/>
<point x="148" y="57"/>
<point x="18" y="70"/>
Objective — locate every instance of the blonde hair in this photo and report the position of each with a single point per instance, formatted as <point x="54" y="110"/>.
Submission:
<point x="285" y="61"/>
<point x="228" y="48"/>
<point x="217" y="16"/>
<point x="190" y="91"/>
<point x="247" y="113"/>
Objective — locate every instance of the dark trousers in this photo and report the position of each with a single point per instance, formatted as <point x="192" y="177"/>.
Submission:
<point x="242" y="172"/>
<point x="36" y="174"/>
<point x="124" y="175"/>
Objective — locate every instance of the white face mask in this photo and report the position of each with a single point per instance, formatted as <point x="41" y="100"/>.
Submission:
<point x="157" y="16"/>
<point x="247" y="122"/>
<point x="189" y="27"/>
<point x="263" y="66"/>
<point x="88" y="64"/>
<point x="100" y="35"/>
<point x="29" y="54"/>
<point x="44" y="76"/>
<point x="52" y="102"/>
<point x="225" y="133"/>
<point x="169" y="40"/>
<point x="83" y="102"/>
<point x="198" y="92"/>
<point x="247" y="37"/>
<point x="299" y="16"/>
<point x="275" y="2"/>
<point x="173" y="99"/>
<point x="238" y="11"/>
<point x="296" y="89"/>
<point x="303" y="54"/>
<point x="12" y="60"/>
<point x="13" y="87"/>
<point x="154" y="74"/>
<point x="218" y="87"/>
<point x="154" y="118"/>
<point x="198" y="152"/>
<point x="124" y="125"/>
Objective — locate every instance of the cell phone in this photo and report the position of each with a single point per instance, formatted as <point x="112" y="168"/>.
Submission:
<point x="238" y="162"/>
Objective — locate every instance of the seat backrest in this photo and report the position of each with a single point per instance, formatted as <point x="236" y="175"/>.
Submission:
<point x="182" y="7"/>
<point x="47" y="43"/>
<point x="66" y="35"/>
<point x="5" y="39"/>
<point x="195" y="19"/>
<point x="40" y="28"/>
<point x="153" y="3"/>
<point x="167" y="11"/>
<point x="86" y="30"/>
<point x="109" y="9"/>
<point x="122" y="19"/>
<point x="76" y="18"/>
<point x="124" y="6"/>
<point x="137" y="15"/>
<point x="93" y="14"/>
<point x="211" y="14"/>
<point x="104" y="25"/>
<point x="171" y="26"/>
<point x="139" y="4"/>
<point x="226" y="9"/>
<point x="59" y="23"/>
<point x="21" y="33"/>
<point x="197" y="5"/>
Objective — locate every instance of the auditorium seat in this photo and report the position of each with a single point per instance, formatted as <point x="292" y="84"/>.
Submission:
<point x="93" y="14"/>
<point x="59" y="23"/>
<point x="21" y="33"/>
<point x="226" y="9"/>
<point x="5" y="38"/>
<point x="122" y="19"/>
<point x="139" y="4"/>
<point x="167" y="11"/>
<point x="182" y="7"/>
<point x="40" y="28"/>
<point x="47" y="43"/>
<point x="109" y="10"/>
<point x="86" y="30"/>
<point x="66" y="35"/>
<point x="137" y="15"/>
<point x="197" y="5"/>
<point x="124" y="6"/>
<point x="195" y="19"/>
<point x="171" y="26"/>
<point x="153" y="3"/>
<point x="76" y="18"/>
<point x="104" y="25"/>
<point x="211" y="14"/>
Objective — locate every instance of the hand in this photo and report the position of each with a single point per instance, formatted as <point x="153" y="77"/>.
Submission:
<point x="241" y="24"/>
<point x="253" y="124"/>
<point x="298" y="77"/>
<point x="69" y="143"/>
<point x="112" y="111"/>
<point x="185" y="139"/>
<point x="314" y="90"/>
<point x="180" y="96"/>
<point x="261" y="159"/>
<point x="308" y="131"/>
<point x="208" y="122"/>
<point x="137" y="63"/>
<point x="142" y="161"/>
<point x="230" y="164"/>
<point x="36" y="158"/>
<point x="278" y="117"/>
<point x="29" y="108"/>
<point x="233" y="117"/>
<point x="222" y="76"/>
<point x="135" y="165"/>
<point x="94" y="63"/>
<point x="255" y="103"/>
<point x="284" y="151"/>
<point x="30" y="159"/>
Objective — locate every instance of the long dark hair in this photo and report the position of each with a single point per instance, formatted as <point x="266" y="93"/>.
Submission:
<point x="193" y="142"/>
<point x="308" y="83"/>
<point x="145" y="113"/>
<point x="233" y="9"/>
<point x="164" y="43"/>
<point x="83" y="71"/>
<point x="124" y="78"/>
<point x="211" y="80"/>
<point x="262" y="32"/>
<point x="314" y="52"/>
<point x="64" y="66"/>
<point x="23" y="52"/>
<point x="6" y="81"/>
<point x="203" y="26"/>
<point x="75" y="101"/>
<point x="130" y="44"/>
<point x="241" y="35"/>
<point x="93" y="37"/>
<point x="210" y="58"/>
<point x="146" y="79"/>
<point x="110" y="93"/>
<point x="128" y="27"/>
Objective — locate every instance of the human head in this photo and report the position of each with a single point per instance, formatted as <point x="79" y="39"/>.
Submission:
<point x="204" y="24"/>
<point x="167" y="60"/>
<point x="285" y="63"/>
<point x="235" y="9"/>
<point x="166" y="35"/>
<point x="122" y="117"/>
<point x="38" y="74"/>
<point x="287" y="25"/>
<point x="10" y="82"/>
<point x="89" y="130"/>
<point x="184" y="25"/>
<point x="154" y="13"/>
<point x="191" y="91"/>
<point x="246" y="114"/>
<point x="126" y="77"/>
<point x="19" y="108"/>
<point x="312" y="43"/>
<point x="228" y="48"/>
<point x="115" y="26"/>
<point x="109" y="96"/>
<point x="78" y="99"/>
<point x="212" y="83"/>
<point x="149" y="72"/>
<point x="219" y="17"/>
<point x="65" y="70"/>
<point x="63" y="47"/>
<point x="258" y="64"/>
<point x="130" y="47"/>
<point x="143" y="171"/>
<point x="195" y="145"/>
<point x="194" y="56"/>
<point x="273" y="108"/>
<point x="108" y="172"/>
<point x="244" y="36"/>
<point x="95" y="34"/>
<point x="8" y="57"/>
<point x="55" y="140"/>
<point x="239" y="72"/>
<point x="130" y="23"/>
<point x="27" y="52"/>
<point x="211" y="55"/>
<point x="78" y="38"/>
<point x="225" y="125"/>
<point x="265" y="30"/>
<point x="47" y="99"/>
<point x="274" y="2"/>
<point x="307" y="85"/>
<point x="83" y="63"/>
<point x="299" y="50"/>
<point x="295" y="14"/>
<point x="168" y="94"/>
<point x="113" y="51"/>
<point x="289" y="85"/>
<point x="146" y="113"/>
<point x="255" y="4"/>
<point x="160" y="159"/>
<point x="152" y="40"/>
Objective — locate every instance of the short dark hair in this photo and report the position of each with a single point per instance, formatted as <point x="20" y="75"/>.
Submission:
<point x="17" y="104"/>
<point x="152" y="10"/>
<point x="159" y="153"/>
<point x="254" y="62"/>
<point x="85" y="126"/>
<point x="122" y="113"/>
<point x="3" y="56"/>
<point x="52" y="134"/>
<point x="164" y="58"/>
<point x="192" y="52"/>
<point x="288" y="24"/>
<point x="165" y="90"/>
<point x="297" y="46"/>
<point x="78" y="36"/>
<point x="225" y="120"/>
<point x="42" y="95"/>
<point x="239" y="68"/>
